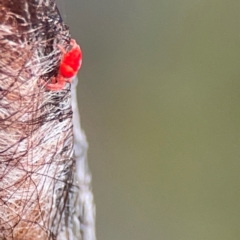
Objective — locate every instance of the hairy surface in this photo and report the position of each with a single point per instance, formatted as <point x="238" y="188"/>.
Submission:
<point x="37" y="169"/>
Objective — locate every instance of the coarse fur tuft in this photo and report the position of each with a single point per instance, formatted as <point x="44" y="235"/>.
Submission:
<point x="37" y="186"/>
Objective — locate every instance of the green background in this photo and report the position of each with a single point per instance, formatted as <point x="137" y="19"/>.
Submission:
<point x="159" y="97"/>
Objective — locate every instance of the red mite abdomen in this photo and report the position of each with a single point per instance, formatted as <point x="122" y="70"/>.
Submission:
<point x="67" y="71"/>
<point x="71" y="63"/>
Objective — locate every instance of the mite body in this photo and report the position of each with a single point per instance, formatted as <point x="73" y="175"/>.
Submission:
<point x="69" y="66"/>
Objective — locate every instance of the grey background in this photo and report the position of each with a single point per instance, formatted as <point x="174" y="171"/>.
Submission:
<point x="159" y="98"/>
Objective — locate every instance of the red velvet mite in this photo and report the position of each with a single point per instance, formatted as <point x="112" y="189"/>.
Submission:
<point x="69" y="66"/>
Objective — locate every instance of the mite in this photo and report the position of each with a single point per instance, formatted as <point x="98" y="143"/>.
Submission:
<point x="69" y="66"/>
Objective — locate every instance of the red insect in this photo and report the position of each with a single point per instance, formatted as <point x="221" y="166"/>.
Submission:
<point x="69" y="66"/>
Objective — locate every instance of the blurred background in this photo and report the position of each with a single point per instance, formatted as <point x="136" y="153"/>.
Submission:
<point x="159" y="97"/>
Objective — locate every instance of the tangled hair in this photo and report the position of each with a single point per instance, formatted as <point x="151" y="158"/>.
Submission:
<point x="39" y="191"/>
